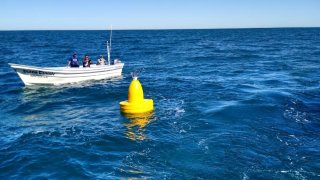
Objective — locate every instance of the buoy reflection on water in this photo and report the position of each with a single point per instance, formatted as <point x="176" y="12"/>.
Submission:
<point x="136" y="125"/>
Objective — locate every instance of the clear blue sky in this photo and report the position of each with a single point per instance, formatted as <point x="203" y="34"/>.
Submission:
<point x="160" y="14"/>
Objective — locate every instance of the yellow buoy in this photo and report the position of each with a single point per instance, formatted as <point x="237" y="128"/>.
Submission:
<point x="136" y="102"/>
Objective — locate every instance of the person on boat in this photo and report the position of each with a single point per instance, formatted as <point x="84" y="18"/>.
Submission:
<point x="101" y="61"/>
<point x="73" y="61"/>
<point x="86" y="61"/>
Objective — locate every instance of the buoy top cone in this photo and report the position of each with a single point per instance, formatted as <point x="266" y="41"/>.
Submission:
<point x="135" y="92"/>
<point x="136" y="102"/>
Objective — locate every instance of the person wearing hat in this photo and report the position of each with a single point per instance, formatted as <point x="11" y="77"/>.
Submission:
<point x="73" y="61"/>
<point x="101" y="61"/>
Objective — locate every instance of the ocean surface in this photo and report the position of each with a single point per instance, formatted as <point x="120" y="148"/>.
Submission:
<point x="229" y="104"/>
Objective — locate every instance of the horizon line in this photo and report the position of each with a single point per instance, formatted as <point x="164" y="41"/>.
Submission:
<point x="141" y="29"/>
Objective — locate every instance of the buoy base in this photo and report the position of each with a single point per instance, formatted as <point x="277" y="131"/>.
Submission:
<point x="132" y="108"/>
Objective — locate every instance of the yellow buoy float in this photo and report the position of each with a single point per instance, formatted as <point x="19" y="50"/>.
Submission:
<point x="136" y="102"/>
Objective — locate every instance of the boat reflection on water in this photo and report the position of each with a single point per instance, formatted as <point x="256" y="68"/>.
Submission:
<point x="136" y="125"/>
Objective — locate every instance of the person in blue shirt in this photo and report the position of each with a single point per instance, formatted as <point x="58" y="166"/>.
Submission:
<point x="73" y="61"/>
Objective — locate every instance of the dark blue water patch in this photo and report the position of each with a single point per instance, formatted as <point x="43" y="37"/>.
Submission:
<point x="6" y="52"/>
<point x="236" y="103"/>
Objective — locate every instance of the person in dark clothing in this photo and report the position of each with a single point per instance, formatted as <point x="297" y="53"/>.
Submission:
<point x="73" y="61"/>
<point x="86" y="61"/>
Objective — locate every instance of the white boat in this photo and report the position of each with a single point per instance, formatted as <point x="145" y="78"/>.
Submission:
<point x="32" y="75"/>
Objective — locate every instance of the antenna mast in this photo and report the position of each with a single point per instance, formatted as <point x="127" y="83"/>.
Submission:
<point x="109" y="47"/>
<point x="110" y="36"/>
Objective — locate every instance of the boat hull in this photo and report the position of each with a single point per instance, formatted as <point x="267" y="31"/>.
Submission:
<point x="32" y="75"/>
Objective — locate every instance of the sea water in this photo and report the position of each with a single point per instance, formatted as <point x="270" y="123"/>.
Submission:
<point x="229" y="104"/>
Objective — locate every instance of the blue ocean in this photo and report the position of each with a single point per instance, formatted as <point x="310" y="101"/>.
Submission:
<point x="229" y="104"/>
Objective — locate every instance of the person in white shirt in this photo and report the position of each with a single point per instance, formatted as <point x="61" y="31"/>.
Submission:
<point x="101" y="61"/>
